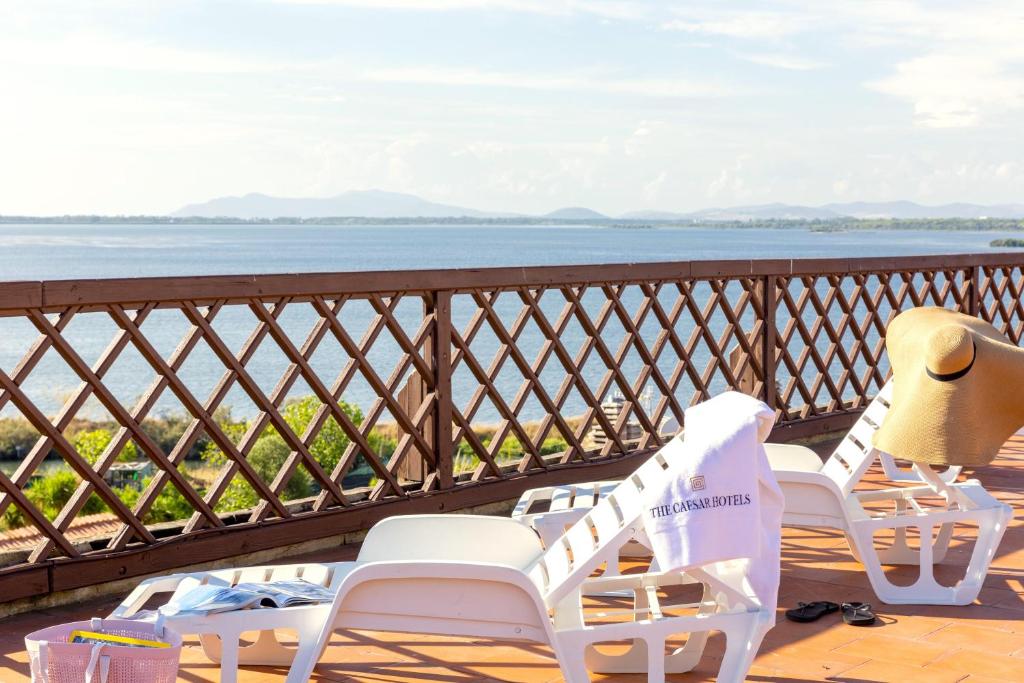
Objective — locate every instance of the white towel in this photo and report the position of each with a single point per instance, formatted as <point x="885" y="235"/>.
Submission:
<point x="721" y="502"/>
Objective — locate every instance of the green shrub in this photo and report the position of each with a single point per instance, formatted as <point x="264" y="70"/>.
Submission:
<point x="267" y="457"/>
<point x="170" y="504"/>
<point x="270" y="450"/>
<point x="330" y="444"/>
<point x="167" y="430"/>
<point x="49" y="494"/>
<point x="383" y="445"/>
<point x="511" y="450"/>
<point x="16" y="438"/>
<point x="233" y="429"/>
<point x="553" y="444"/>
<point x="91" y="444"/>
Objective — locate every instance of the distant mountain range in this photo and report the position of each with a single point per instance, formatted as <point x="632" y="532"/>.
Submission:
<point x="381" y="204"/>
<point x="365" y="204"/>
<point x="896" y="209"/>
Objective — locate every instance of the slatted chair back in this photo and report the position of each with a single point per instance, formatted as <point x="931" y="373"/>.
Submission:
<point x="616" y="519"/>
<point x="856" y="452"/>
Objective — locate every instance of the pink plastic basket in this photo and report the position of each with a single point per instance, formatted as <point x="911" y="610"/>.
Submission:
<point x="54" y="660"/>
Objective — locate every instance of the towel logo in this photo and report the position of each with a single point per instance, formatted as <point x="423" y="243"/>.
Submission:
<point x="695" y="504"/>
<point x="697" y="483"/>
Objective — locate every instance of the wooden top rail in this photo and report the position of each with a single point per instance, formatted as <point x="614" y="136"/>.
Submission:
<point x="54" y="294"/>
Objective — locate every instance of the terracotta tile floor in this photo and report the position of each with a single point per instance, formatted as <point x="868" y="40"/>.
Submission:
<point x="979" y="643"/>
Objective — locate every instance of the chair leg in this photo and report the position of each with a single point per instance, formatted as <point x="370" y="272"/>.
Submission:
<point x="314" y="633"/>
<point x="611" y="568"/>
<point x="900" y="551"/>
<point x="574" y="670"/>
<point x="990" y="533"/>
<point x="229" y="657"/>
<point x="741" y="645"/>
<point x="211" y="646"/>
<point x="926" y="590"/>
<point x="686" y="658"/>
<point x="306" y="657"/>
<point x="941" y="544"/>
<point x="854" y="546"/>
<point x="635" y="658"/>
<point x="655" y="659"/>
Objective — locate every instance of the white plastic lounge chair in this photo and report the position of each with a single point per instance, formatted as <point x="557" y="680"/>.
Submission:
<point x="822" y="495"/>
<point x="491" y="577"/>
<point x="220" y="634"/>
<point x="825" y="499"/>
<point x="561" y="506"/>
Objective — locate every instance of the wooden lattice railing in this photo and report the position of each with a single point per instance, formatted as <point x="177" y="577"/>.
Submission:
<point x="421" y="360"/>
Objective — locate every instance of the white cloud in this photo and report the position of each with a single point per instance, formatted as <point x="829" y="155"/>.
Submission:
<point x="784" y="61"/>
<point x="129" y="108"/>
<point x="589" y="82"/>
<point x="737" y="23"/>
<point x="954" y="91"/>
<point x="608" y="9"/>
<point x="101" y="51"/>
<point x="652" y="190"/>
<point x="965" y="61"/>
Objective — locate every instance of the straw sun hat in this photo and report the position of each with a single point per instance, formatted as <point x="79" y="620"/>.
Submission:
<point x="958" y="384"/>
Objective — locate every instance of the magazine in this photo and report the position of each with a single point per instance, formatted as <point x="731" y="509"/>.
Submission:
<point x="210" y="599"/>
<point x="97" y="637"/>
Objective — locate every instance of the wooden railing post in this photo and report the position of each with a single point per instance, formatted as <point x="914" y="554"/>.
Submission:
<point x="442" y="366"/>
<point x="410" y="398"/>
<point x="763" y="350"/>
<point x="974" y="301"/>
<point x="743" y="369"/>
<point x="769" y="303"/>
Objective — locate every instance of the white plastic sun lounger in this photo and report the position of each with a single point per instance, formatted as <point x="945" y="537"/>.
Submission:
<point x="826" y="499"/>
<point x="491" y="577"/>
<point x="560" y="506"/>
<point x="551" y="510"/>
<point x="822" y="495"/>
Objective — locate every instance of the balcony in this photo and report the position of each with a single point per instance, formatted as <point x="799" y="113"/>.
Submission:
<point x="983" y="642"/>
<point x="449" y="390"/>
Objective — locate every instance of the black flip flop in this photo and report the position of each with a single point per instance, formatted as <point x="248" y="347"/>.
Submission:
<point x="858" y="614"/>
<point x="811" y="611"/>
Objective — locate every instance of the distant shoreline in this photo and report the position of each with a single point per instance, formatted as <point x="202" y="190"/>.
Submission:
<point x="815" y="225"/>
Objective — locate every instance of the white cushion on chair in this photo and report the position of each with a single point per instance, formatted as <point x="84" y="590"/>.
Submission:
<point x="792" y="458"/>
<point x="461" y="538"/>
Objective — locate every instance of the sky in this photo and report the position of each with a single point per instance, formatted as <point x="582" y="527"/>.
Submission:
<point x="142" y="106"/>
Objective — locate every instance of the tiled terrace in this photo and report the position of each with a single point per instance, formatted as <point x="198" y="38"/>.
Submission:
<point x="981" y="643"/>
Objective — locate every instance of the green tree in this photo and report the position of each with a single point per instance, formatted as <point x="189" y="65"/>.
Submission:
<point x="331" y="442"/>
<point x="233" y="429"/>
<point x="267" y="457"/>
<point x="49" y="494"/>
<point x="169" y="505"/>
<point x="16" y="437"/>
<point x="91" y="444"/>
<point x="270" y="451"/>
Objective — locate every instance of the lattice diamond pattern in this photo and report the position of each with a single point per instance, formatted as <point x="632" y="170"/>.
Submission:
<point x="469" y="385"/>
<point x="829" y="349"/>
<point x="266" y="398"/>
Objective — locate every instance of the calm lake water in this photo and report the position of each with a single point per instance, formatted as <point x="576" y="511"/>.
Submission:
<point x="36" y="252"/>
<point x="40" y="252"/>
